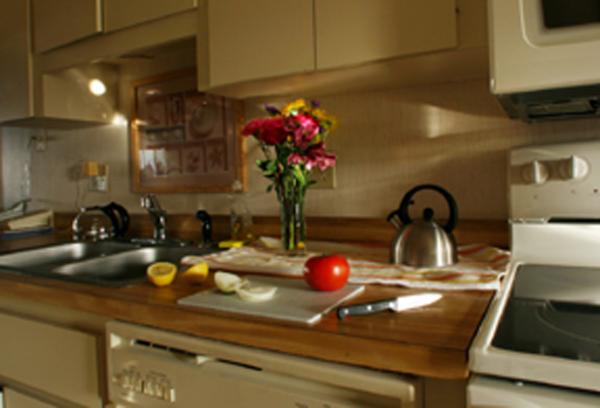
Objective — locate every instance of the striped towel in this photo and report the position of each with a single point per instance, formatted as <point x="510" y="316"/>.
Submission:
<point x="480" y="267"/>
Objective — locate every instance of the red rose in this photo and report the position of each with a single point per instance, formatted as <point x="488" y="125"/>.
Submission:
<point x="253" y="127"/>
<point x="268" y="130"/>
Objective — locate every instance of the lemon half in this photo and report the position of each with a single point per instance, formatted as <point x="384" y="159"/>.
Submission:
<point x="161" y="273"/>
<point x="196" y="273"/>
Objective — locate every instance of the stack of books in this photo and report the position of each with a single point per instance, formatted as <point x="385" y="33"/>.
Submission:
<point x="29" y="224"/>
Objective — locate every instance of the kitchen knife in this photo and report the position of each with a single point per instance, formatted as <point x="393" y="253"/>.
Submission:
<point x="397" y="304"/>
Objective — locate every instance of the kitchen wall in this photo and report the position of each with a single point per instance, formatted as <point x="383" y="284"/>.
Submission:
<point x="16" y="164"/>
<point x="387" y="141"/>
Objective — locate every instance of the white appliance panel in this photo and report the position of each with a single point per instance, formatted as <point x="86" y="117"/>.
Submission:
<point x="496" y="393"/>
<point x="537" y="345"/>
<point x="525" y="55"/>
<point x="565" y="191"/>
<point x="155" y="368"/>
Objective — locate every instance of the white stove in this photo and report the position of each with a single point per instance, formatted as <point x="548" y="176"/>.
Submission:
<point x="539" y="345"/>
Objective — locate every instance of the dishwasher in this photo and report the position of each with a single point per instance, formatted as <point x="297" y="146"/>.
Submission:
<point x="150" y="368"/>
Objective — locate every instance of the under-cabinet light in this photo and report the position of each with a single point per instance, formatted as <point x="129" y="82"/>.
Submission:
<point x="97" y="87"/>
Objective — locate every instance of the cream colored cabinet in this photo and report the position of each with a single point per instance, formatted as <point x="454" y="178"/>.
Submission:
<point x="15" y="68"/>
<point x="58" y="98"/>
<point x="243" y="43"/>
<point x="119" y="14"/>
<point x="350" y="32"/>
<point x="60" y="22"/>
<point x="16" y="399"/>
<point x="246" y="40"/>
<point x="50" y="360"/>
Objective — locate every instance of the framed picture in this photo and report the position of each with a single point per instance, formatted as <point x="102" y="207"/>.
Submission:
<point x="182" y="140"/>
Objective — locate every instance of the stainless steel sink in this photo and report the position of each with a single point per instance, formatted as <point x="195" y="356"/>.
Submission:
<point x="54" y="255"/>
<point x="101" y="263"/>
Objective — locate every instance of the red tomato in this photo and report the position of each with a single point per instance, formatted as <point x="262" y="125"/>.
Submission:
<point x="326" y="273"/>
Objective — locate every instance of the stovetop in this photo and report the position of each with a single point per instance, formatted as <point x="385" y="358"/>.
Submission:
<point x="553" y="311"/>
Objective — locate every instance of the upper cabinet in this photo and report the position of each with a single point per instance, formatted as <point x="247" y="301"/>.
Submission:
<point x="50" y="52"/>
<point x="247" y="40"/>
<point x="262" y="47"/>
<point x="120" y="14"/>
<point x="15" y="69"/>
<point x="350" y="32"/>
<point x="60" y="22"/>
<point x="31" y="97"/>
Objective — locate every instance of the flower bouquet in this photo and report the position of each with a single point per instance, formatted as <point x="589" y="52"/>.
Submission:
<point x="293" y="142"/>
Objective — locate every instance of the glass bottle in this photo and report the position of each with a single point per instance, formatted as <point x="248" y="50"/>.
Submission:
<point x="239" y="216"/>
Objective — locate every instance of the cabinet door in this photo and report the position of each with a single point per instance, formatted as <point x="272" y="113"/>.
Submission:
<point x="121" y="14"/>
<point x="257" y="39"/>
<point x="59" y="22"/>
<point x="351" y="32"/>
<point x="15" y="72"/>
<point x="58" y="361"/>
<point x="16" y="399"/>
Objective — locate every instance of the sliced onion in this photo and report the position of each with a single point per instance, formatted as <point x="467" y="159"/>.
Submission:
<point x="251" y="293"/>
<point x="227" y="282"/>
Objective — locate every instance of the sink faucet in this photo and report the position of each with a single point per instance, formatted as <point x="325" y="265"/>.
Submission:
<point x="159" y="216"/>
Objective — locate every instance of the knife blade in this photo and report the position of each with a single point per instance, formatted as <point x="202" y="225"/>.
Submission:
<point x="397" y="304"/>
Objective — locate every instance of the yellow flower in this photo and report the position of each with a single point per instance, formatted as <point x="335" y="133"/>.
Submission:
<point x="321" y="116"/>
<point x="294" y="107"/>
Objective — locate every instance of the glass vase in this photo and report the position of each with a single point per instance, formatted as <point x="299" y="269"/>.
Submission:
<point x="293" y="226"/>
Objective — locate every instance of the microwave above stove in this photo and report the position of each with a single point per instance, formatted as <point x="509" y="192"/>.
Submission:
<point x="544" y="56"/>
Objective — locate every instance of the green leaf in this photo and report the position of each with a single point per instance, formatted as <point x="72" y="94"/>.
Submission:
<point x="299" y="174"/>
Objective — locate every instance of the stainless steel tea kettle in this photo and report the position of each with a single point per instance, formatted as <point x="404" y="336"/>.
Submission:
<point x="423" y="242"/>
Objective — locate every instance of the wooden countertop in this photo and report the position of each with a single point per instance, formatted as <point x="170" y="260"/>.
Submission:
<point x="431" y="342"/>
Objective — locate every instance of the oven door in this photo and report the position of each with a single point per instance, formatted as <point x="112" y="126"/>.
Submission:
<point x="543" y="44"/>
<point x="485" y="392"/>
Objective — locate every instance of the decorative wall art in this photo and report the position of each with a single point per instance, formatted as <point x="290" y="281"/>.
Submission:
<point x="183" y="140"/>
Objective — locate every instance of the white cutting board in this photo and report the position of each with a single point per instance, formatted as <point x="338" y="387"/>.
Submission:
<point x="293" y="301"/>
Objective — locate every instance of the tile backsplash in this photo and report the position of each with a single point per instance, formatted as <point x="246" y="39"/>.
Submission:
<point x="454" y="134"/>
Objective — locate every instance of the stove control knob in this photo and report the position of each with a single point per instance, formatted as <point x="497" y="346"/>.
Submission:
<point x="535" y="172"/>
<point x="573" y="168"/>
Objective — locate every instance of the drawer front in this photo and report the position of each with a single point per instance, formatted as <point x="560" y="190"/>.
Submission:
<point x="52" y="359"/>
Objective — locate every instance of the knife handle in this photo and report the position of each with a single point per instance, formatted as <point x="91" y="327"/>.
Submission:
<point x="363" y="309"/>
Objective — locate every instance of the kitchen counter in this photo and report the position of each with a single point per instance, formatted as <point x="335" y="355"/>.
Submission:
<point x="431" y="342"/>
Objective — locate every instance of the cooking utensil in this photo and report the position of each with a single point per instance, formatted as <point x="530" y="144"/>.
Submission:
<point x="423" y="242"/>
<point x="397" y="304"/>
<point x="119" y="217"/>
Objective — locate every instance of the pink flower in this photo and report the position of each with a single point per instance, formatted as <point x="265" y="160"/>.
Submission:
<point x="295" y="158"/>
<point x="317" y="156"/>
<point x="304" y="127"/>
<point x="268" y="130"/>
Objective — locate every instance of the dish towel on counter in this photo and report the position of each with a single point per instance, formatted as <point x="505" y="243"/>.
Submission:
<point x="480" y="267"/>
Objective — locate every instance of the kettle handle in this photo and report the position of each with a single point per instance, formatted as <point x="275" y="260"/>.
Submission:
<point x="121" y="223"/>
<point x="402" y="212"/>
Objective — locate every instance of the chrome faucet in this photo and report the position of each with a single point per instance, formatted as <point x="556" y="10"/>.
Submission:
<point x="159" y="216"/>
